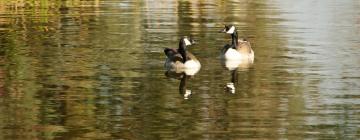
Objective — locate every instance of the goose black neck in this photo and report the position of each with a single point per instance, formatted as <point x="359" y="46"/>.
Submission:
<point x="182" y="50"/>
<point x="234" y="38"/>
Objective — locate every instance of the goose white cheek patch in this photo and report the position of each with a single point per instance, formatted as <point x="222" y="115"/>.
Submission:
<point x="187" y="42"/>
<point x="231" y="30"/>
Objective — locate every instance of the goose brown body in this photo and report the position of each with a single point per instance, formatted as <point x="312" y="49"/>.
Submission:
<point x="180" y="59"/>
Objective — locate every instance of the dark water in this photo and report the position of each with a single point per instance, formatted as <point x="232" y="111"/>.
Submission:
<point x="94" y="70"/>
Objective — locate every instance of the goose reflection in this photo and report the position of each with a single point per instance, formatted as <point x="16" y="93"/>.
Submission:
<point x="183" y="77"/>
<point x="230" y="87"/>
<point x="234" y="66"/>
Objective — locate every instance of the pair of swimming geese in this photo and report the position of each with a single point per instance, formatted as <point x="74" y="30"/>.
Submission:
<point x="238" y="50"/>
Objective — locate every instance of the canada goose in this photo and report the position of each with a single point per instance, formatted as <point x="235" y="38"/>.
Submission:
<point x="240" y="49"/>
<point x="180" y="59"/>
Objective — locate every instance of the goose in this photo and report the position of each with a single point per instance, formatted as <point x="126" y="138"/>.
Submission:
<point x="239" y="49"/>
<point x="180" y="59"/>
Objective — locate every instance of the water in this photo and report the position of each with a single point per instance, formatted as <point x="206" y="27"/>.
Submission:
<point x="94" y="70"/>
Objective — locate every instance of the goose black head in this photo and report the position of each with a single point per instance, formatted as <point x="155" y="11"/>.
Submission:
<point x="229" y="29"/>
<point x="187" y="41"/>
<point x="184" y="41"/>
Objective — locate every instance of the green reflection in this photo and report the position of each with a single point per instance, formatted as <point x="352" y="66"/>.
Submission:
<point x="94" y="70"/>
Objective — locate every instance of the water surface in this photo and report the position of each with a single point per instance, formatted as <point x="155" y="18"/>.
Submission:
<point x="94" y="70"/>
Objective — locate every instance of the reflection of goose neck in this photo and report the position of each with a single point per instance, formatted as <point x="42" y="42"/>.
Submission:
<point x="232" y="85"/>
<point x="182" y="86"/>
<point x="234" y="76"/>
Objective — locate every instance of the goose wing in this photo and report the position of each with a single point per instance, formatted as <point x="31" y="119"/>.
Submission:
<point x="244" y="47"/>
<point x="173" y="54"/>
<point x="190" y="56"/>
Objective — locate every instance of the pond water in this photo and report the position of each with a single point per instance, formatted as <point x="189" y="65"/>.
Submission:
<point x="94" y="70"/>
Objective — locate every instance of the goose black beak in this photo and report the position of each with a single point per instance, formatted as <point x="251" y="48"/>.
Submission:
<point x="222" y="30"/>
<point x="193" y="42"/>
